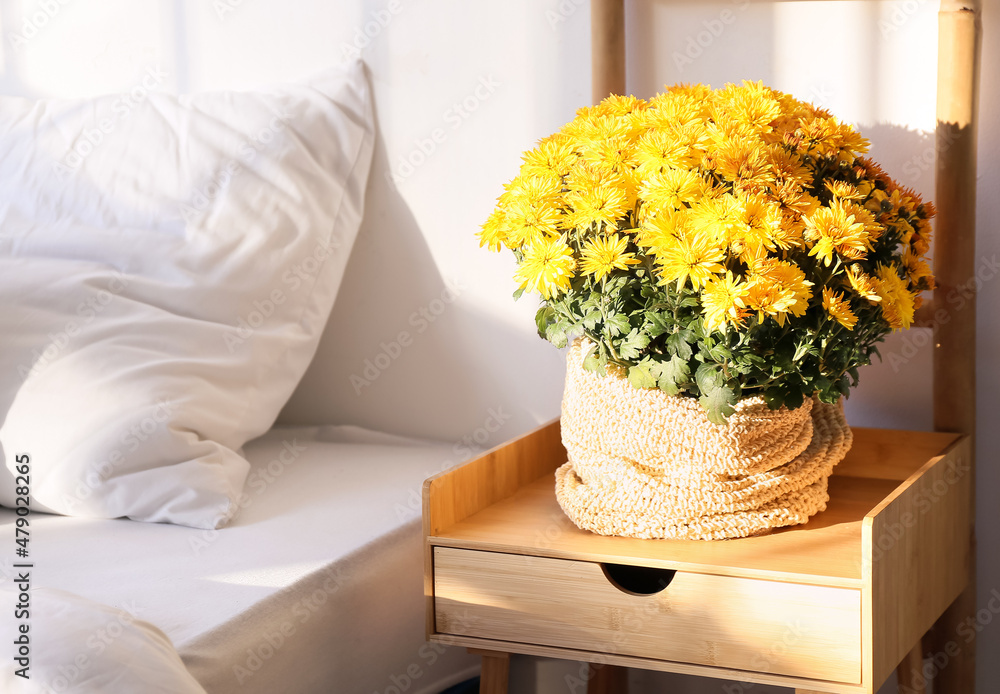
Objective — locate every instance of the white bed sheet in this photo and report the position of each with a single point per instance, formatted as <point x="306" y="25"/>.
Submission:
<point x="316" y="587"/>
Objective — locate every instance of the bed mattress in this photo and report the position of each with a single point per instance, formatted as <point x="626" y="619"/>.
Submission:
<point x="316" y="587"/>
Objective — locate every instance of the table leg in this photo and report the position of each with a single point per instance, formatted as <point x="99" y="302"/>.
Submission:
<point x="909" y="673"/>
<point x="607" y="679"/>
<point x="496" y="671"/>
<point x="949" y="638"/>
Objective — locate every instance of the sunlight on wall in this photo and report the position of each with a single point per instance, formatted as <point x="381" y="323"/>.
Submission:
<point x="63" y="48"/>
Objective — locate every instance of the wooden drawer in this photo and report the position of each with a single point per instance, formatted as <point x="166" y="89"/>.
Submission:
<point x="756" y="625"/>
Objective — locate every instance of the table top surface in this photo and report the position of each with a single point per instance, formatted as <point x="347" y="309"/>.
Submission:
<point x="828" y="550"/>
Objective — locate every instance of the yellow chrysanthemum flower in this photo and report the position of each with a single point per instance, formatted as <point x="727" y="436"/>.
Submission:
<point x="614" y="154"/>
<point x="917" y="269"/>
<point x="603" y="254"/>
<point x="720" y="133"/>
<point x="777" y="288"/>
<point x="836" y="229"/>
<point x="906" y="231"/>
<point x="761" y="225"/>
<point x="527" y="223"/>
<point x="493" y="233"/>
<point x="751" y="104"/>
<point x="863" y="284"/>
<point x="591" y="127"/>
<point x="693" y="256"/>
<point x="794" y="200"/>
<point x="601" y="205"/>
<point x="897" y="301"/>
<point x="551" y="158"/>
<point x="671" y="189"/>
<point x="547" y="267"/>
<point x="744" y="162"/>
<point x="664" y="148"/>
<point x="682" y="104"/>
<point x="826" y="137"/>
<point x="921" y="243"/>
<point x="663" y="230"/>
<point x="722" y="301"/>
<point x="533" y="189"/>
<point x="839" y="308"/>
<point x="842" y="190"/>
<point x="719" y="191"/>
<point x="717" y="216"/>
<point x="788" y="167"/>
<point x="615" y="105"/>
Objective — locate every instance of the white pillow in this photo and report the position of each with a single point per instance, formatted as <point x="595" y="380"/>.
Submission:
<point x="167" y="266"/>
<point x="77" y="646"/>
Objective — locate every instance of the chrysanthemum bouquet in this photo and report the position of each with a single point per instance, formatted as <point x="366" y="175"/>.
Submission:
<point x="716" y="244"/>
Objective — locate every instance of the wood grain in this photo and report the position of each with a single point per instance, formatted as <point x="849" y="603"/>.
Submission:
<point x="829" y="552"/>
<point x="456" y="494"/>
<point x="909" y="673"/>
<point x="959" y="47"/>
<point x="495" y="673"/>
<point x="746" y="624"/>
<point x="607" y="41"/>
<point x="891" y="454"/>
<point x="744" y="678"/>
<point x="826" y="551"/>
<point x="917" y="541"/>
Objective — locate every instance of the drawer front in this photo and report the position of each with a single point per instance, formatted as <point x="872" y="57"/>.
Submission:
<point x="740" y="623"/>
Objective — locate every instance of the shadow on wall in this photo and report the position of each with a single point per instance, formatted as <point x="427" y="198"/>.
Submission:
<point x="403" y="353"/>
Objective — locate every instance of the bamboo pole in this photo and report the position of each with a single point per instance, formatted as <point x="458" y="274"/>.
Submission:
<point x="959" y="30"/>
<point x="607" y="60"/>
<point x="607" y="41"/>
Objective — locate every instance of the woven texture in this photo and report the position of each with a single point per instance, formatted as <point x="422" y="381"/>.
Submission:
<point x="646" y="464"/>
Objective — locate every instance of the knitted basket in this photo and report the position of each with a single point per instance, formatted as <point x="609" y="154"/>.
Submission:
<point x="646" y="464"/>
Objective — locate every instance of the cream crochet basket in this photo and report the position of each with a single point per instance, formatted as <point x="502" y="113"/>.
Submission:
<point x="646" y="464"/>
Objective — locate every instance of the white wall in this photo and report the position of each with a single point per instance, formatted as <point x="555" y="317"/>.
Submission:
<point x="462" y="88"/>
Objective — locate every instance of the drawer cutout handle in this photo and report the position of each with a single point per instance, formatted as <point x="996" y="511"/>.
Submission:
<point x="638" y="580"/>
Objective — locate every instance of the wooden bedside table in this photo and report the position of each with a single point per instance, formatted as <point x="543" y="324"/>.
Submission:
<point x="830" y="606"/>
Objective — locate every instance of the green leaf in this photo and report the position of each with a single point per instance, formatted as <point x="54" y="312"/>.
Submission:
<point x="543" y="317"/>
<point x="783" y="353"/>
<point x="718" y="402"/>
<point x="631" y="347"/>
<point x="719" y="352"/>
<point x="518" y="292"/>
<point x="618" y="324"/>
<point x="822" y="384"/>
<point x="774" y="398"/>
<point x="640" y="377"/>
<point x="556" y="334"/>
<point x="672" y="375"/>
<point x="794" y="398"/>
<point x="593" y="303"/>
<point x="593" y="364"/>
<point x="679" y="343"/>
<point x="708" y="377"/>
<point x="596" y="360"/>
<point x="656" y="324"/>
<point x="591" y="320"/>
